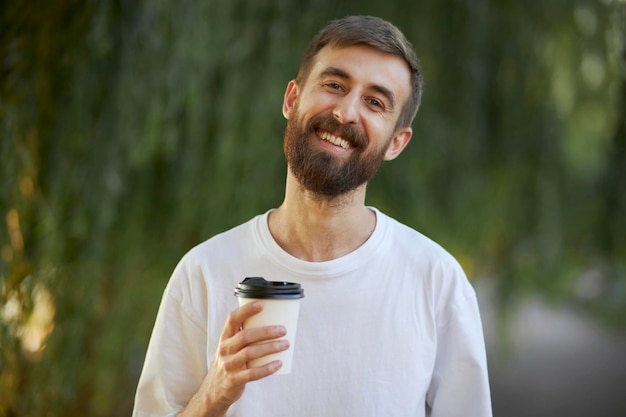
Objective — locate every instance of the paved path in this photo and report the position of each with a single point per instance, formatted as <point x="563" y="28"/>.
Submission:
<point x="563" y="364"/>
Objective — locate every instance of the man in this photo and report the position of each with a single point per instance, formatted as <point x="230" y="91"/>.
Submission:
<point x="389" y="326"/>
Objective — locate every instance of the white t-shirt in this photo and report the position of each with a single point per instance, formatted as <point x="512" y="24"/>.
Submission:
<point x="389" y="330"/>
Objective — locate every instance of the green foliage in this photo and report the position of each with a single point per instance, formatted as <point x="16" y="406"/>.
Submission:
<point x="131" y="131"/>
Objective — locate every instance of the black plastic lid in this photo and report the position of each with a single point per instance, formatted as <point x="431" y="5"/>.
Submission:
<point x="258" y="287"/>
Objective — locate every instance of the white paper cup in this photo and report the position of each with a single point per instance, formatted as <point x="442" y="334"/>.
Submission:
<point x="281" y="306"/>
<point x="275" y="312"/>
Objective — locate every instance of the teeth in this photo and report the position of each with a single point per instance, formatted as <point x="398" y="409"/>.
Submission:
<point x="334" y="140"/>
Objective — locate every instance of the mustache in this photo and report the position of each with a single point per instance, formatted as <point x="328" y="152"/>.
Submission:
<point x="349" y="132"/>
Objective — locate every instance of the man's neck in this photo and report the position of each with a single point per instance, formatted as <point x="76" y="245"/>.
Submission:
<point x="315" y="228"/>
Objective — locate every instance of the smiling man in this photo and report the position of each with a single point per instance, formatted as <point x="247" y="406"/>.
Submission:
<point x="390" y="325"/>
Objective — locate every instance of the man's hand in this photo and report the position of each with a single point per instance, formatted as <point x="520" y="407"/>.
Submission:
<point x="228" y="375"/>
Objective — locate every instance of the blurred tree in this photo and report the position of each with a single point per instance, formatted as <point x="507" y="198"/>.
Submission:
<point x="133" y="130"/>
<point x="611" y="230"/>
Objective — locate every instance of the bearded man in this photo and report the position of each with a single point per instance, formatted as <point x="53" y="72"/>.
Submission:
<point x="390" y="325"/>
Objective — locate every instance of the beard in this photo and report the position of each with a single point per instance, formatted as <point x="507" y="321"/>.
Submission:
<point x="320" y="172"/>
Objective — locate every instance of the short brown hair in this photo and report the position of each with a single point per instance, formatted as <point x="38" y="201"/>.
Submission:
<point x="374" y="32"/>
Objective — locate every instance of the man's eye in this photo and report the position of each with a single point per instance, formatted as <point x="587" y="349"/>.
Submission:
<point x="334" y="86"/>
<point x="376" y="103"/>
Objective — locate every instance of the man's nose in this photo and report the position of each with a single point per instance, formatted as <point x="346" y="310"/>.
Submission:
<point x="347" y="110"/>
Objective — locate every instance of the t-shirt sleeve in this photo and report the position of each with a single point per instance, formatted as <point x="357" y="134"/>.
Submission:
<point x="175" y="363"/>
<point x="460" y="383"/>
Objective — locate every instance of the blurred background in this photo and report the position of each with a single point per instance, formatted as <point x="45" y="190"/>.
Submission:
<point x="133" y="130"/>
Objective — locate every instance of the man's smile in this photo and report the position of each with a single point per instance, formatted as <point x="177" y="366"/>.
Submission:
<point x="335" y="140"/>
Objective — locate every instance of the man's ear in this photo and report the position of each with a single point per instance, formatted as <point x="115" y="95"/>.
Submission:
<point x="291" y="96"/>
<point x="401" y="138"/>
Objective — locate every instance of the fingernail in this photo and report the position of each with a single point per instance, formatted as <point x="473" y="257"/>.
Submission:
<point x="276" y="365"/>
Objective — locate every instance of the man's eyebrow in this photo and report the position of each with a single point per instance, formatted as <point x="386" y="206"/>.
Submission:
<point x="338" y="72"/>
<point x="334" y="72"/>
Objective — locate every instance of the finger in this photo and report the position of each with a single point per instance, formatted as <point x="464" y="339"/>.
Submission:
<point x="238" y="316"/>
<point x="244" y="338"/>
<point x="254" y="374"/>
<point x="257" y="335"/>
<point x="256" y="351"/>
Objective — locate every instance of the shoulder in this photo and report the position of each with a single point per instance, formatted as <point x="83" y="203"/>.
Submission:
<point x="435" y="266"/>
<point x="195" y="270"/>
<point x="222" y="244"/>
<point x="407" y="241"/>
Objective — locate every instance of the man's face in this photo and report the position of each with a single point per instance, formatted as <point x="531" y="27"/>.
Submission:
<point x="341" y="123"/>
